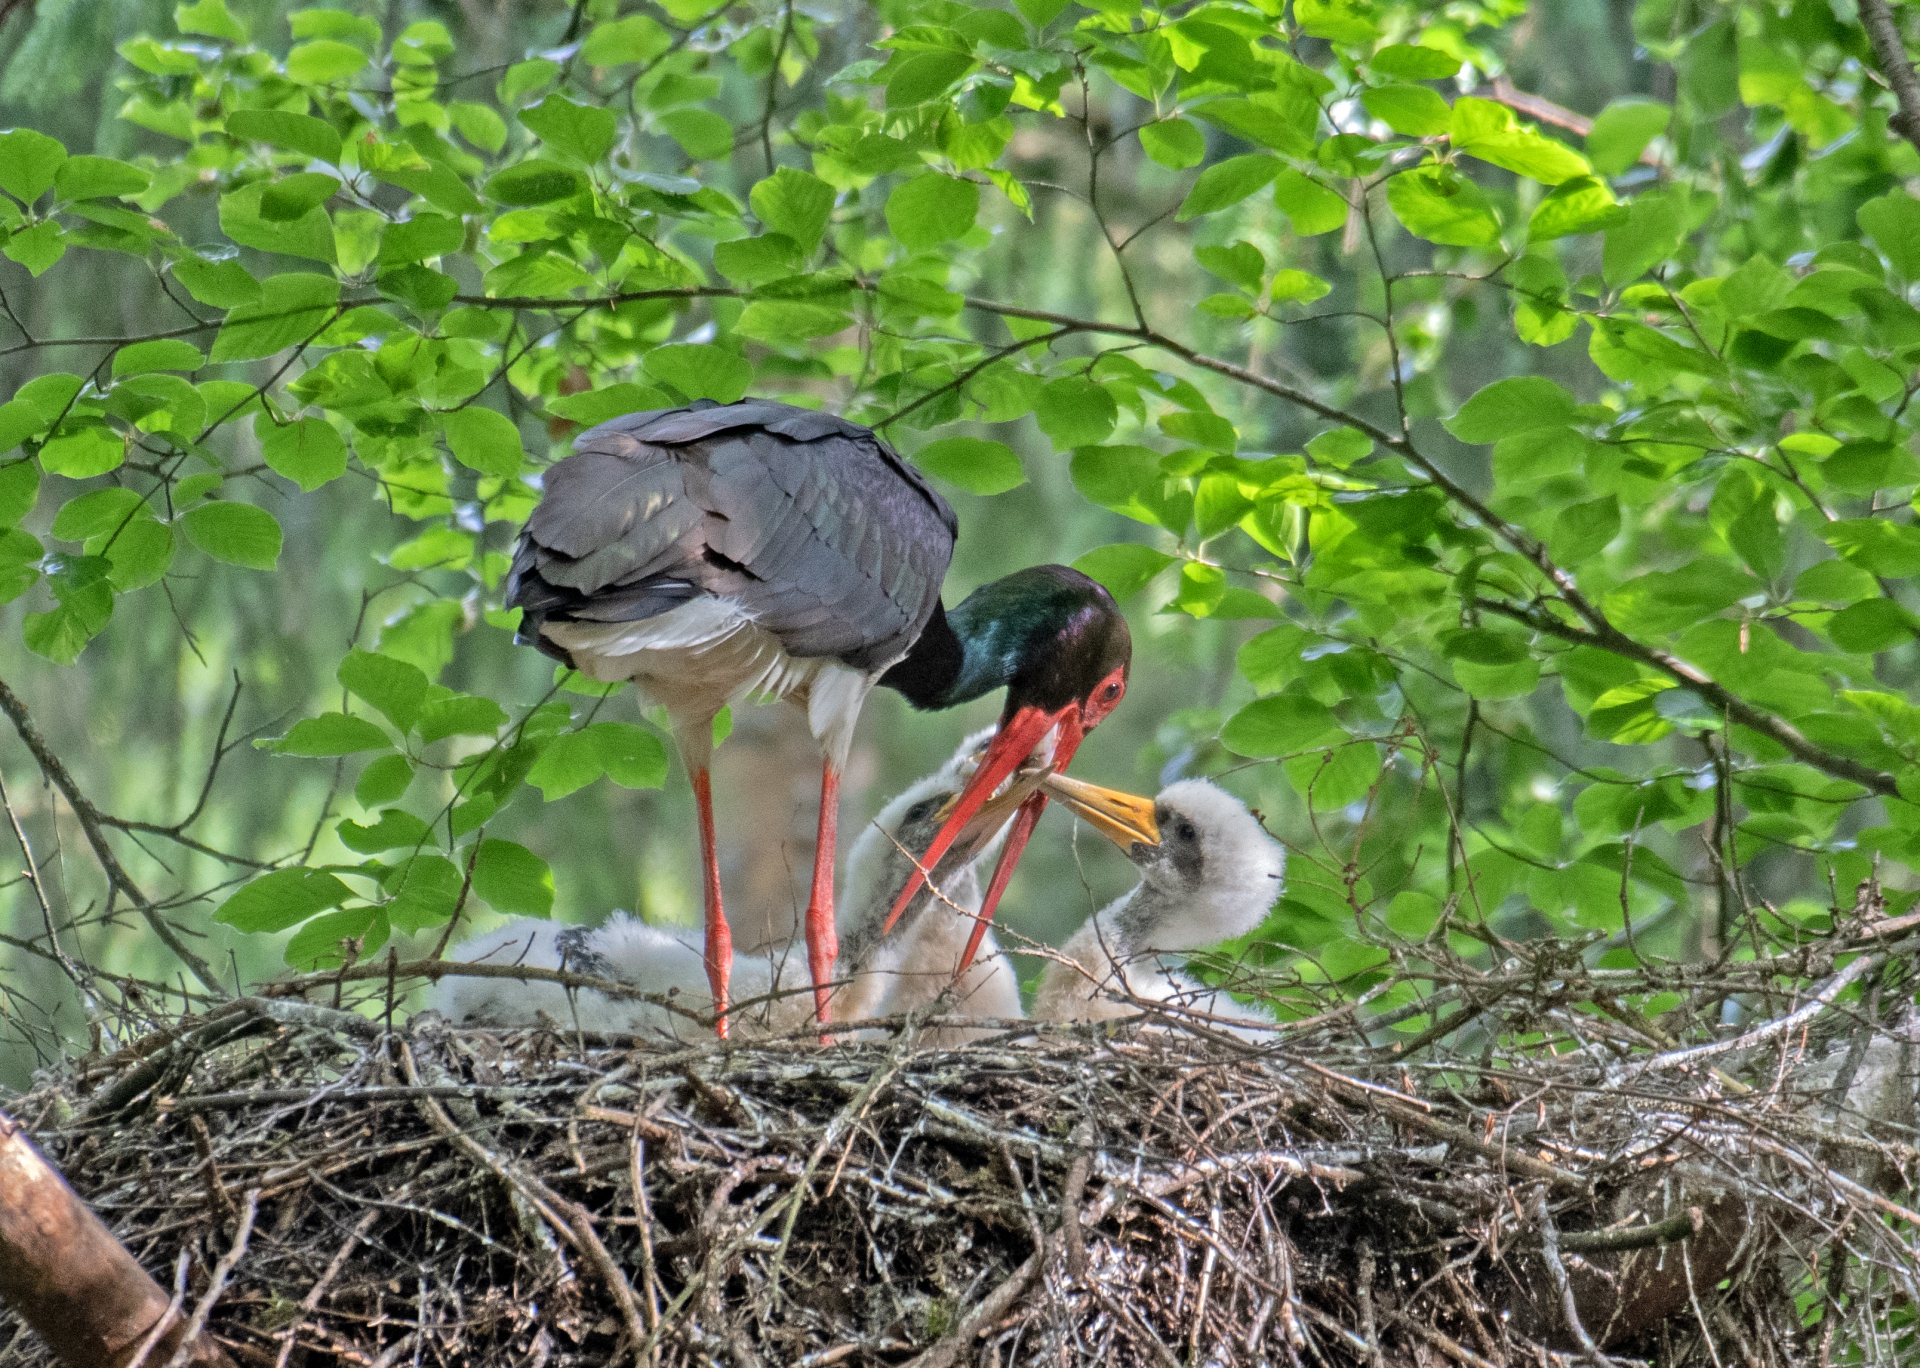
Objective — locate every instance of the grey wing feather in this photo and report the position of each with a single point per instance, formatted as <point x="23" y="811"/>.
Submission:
<point x="812" y="523"/>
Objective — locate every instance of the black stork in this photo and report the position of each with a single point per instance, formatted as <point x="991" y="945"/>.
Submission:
<point x="716" y="553"/>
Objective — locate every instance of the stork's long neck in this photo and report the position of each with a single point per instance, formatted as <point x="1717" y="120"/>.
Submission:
<point x="948" y="667"/>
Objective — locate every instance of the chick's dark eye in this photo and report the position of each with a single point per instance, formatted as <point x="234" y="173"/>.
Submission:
<point x="1186" y="831"/>
<point x="919" y="810"/>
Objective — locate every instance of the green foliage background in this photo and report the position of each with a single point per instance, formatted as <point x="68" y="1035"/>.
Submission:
<point x="1521" y="519"/>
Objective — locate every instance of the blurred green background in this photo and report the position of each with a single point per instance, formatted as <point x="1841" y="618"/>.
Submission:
<point x="137" y="717"/>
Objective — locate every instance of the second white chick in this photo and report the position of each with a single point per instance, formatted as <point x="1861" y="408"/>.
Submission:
<point x="1212" y="877"/>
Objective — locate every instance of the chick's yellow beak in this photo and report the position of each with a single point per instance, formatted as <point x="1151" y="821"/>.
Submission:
<point x="1126" y="819"/>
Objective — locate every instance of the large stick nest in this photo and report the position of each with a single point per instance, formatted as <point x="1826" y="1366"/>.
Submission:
<point x="1152" y="1195"/>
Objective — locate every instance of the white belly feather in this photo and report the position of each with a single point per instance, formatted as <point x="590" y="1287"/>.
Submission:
<point x="708" y="654"/>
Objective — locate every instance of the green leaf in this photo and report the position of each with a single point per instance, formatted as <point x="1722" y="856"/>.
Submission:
<point x="424" y="637"/>
<point x="397" y="689"/>
<point x="1284" y="724"/>
<point x="1075" y="412"/>
<point x="243" y="218"/>
<point x="629" y="755"/>
<point x="236" y="533"/>
<point x="1297" y="287"/>
<point x="1484" y="645"/>
<point x="702" y="134"/>
<point x="1409" y="62"/>
<point x="461" y="715"/>
<point x="609" y="401"/>
<point x="292" y="198"/>
<point x="533" y="182"/>
<point x="633" y="757"/>
<point x="384" y="780"/>
<point x="83" y="454"/>
<point x="293" y="307"/>
<point x="20" y="553"/>
<point x="37" y="248"/>
<point x="637" y="38"/>
<point x="330" y="734"/>
<point x="324" y="62"/>
<point x="513" y="879"/>
<point x="1876" y="624"/>
<point x="286" y="897"/>
<point x="1411" y="109"/>
<point x="974" y="464"/>
<point x="83" y="178"/>
<point x="931" y="209"/>
<point x="1583" y="531"/>
<point x="1340" y="447"/>
<point x="19" y="490"/>
<point x="308" y="451"/>
<point x="1262" y="124"/>
<point x="1893" y="222"/>
<point x="300" y="133"/>
<point x="479" y="124"/>
<point x="90" y="515"/>
<point x="425" y="891"/>
<point x="484" y="440"/>
<point x="209" y="17"/>
<point x="1241" y="263"/>
<point x="916" y="77"/>
<point x="582" y="131"/>
<point x="1878" y="546"/>
<point x="1312" y="208"/>
<point x="396" y="829"/>
<point x="323" y="943"/>
<point x="222" y="284"/>
<point x="1174" y="143"/>
<point x="796" y="205"/>
<point x="1652" y="230"/>
<point x="700" y="370"/>
<point x="1522" y="403"/>
<point x="29" y="161"/>
<point x="751" y="261"/>
<point x="1227" y="183"/>
<point x="165" y="354"/>
<point x="1581" y="205"/>
<point x="1622" y="131"/>
<point x="1440" y="205"/>
<point x="1125" y="568"/>
<point x="1484" y="129"/>
<point x="1338" y="21"/>
<point x="783" y="322"/>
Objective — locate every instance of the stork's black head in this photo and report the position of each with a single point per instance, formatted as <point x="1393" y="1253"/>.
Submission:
<point x="1048" y="634"/>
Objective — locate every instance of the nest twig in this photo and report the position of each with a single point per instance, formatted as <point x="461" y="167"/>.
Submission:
<point x="1148" y="1195"/>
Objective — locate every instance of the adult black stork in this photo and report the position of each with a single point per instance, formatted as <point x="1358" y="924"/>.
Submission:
<point x="720" y="552"/>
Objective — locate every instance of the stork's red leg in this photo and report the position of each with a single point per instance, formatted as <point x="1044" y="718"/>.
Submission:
<point x="719" y="954"/>
<point x="823" y="943"/>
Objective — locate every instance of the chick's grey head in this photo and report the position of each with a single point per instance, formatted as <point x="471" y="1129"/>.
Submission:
<point x="1213" y="876"/>
<point x="883" y="857"/>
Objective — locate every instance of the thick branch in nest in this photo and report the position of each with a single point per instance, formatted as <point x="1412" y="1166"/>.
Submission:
<point x="66" y="1275"/>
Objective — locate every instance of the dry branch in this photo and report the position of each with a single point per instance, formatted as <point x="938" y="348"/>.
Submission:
<point x="65" y="1274"/>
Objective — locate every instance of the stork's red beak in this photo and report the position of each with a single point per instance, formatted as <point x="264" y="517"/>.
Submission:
<point x="1011" y="746"/>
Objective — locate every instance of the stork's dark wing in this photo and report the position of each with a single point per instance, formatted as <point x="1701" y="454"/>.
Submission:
<point x="813" y="524"/>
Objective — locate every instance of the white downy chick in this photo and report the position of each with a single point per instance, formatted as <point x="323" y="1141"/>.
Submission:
<point x="909" y="968"/>
<point x="1212" y="877"/>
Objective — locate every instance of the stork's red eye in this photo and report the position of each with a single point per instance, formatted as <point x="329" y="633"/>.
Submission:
<point x="1112" y="690"/>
